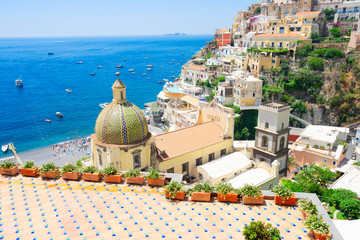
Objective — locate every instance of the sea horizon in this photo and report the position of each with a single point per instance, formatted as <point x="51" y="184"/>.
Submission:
<point x="46" y="77"/>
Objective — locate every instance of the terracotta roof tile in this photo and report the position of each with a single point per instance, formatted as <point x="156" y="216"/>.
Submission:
<point x="196" y="67"/>
<point x="278" y="35"/>
<point x="313" y="13"/>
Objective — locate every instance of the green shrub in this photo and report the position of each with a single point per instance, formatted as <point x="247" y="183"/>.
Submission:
<point x="153" y="174"/>
<point x="90" y="169"/>
<point x="340" y="194"/>
<point x="224" y="188"/>
<point x="70" y="168"/>
<point x="334" y="53"/>
<point x="336" y="32"/>
<point x="48" y="167"/>
<point x="109" y="170"/>
<point x="282" y="191"/>
<point x="316" y="223"/>
<point x="132" y="173"/>
<point x="7" y="164"/>
<point x="250" y="191"/>
<point x="260" y="230"/>
<point x="173" y="188"/>
<point x="29" y="164"/>
<point x="350" y="208"/>
<point x="199" y="187"/>
<point x="78" y="164"/>
<point x="316" y="64"/>
<point x="307" y="206"/>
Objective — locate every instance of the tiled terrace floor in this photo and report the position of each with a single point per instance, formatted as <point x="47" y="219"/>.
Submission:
<point x="31" y="208"/>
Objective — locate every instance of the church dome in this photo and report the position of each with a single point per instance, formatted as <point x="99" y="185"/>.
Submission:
<point x="121" y="122"/>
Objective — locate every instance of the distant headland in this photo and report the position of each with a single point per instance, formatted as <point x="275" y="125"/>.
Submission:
<point x="174" y="34"/>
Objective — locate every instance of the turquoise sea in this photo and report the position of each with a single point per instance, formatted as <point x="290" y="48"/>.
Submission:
<point x="46" y="77"/>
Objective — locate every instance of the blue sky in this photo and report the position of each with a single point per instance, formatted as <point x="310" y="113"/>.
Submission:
<point x="32" y="18"/>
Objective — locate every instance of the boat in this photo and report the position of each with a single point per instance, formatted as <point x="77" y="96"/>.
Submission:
<point x="79" y="62"/>
<point x="150" y="65"/>
<point x="149" y="69"/>
<point x="182" y="53"/>
<point x="173" y="77"/>
<point x="103" y="105"/>
<point x="149" y="78"/>
<point x="4" y="147"/>
<point x="131" y="70"/>
<point x="144" y="74"/>
<point x="47" y="120"/>
<point x="160" y="81"/>
<point x="124" y="59"/>
<point x="166" y="80"/>
<point x="146" y="58"/>
<point x="99" y="66"/>
<point x="59" y="114"/>
<point x="119" y="66"/>
<point x="170" y="63"/>
<point x="69" y="90"/>
<point x="18" y="83"/>
<point x="92" y="74"/>
<point x="51" y="53"/>
<point x="172" y="71"/>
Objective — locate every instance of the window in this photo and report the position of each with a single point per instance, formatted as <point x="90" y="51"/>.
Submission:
<point x="334" y="163"/>
<point x="281" y="44"/>
<point x="264" y="142"/>
<point x="185" y="168"/>
<point x="282" y="125"/>
<point x="272" y="44"/>
<point x="273" y="61"/>
<point x="198" y="161"/>
<point x="223" y="152"/>
<point x="170" y="170"/>
<point x="122" y="95"/>
<point x="266" y="125"/>
<point x="298" y="29"/>
<point x="211" y="156"/>
<point x="100" y="159"/>
<point x="262" y="160"/>
<point x="281" y="29"/>
<point x="324" y="160"/>
<point x="137" y="160"/>
<point x="282" y="142"/>
<point x="253" y="94"/>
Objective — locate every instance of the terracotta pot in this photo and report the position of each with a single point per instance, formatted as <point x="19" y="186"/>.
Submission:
<point x="253" y="200"/>
<point x="160" y="182"/>
<point x="229" y="197"/>
<point x="50" y="174"/>
<point x="93" y="177"/>
<point x="291" y="201"/>
<point x="135" y="180"/>
<point x="178" y="195"/>
<point x="9" y="171"/>
<point x="304" y="215"/>
<point x="71" y="176"/>
<point x="29" y="172"/>
<point x="201" y="196"/>
<point x="318" y="236"/>
<point x="113" y="178"/>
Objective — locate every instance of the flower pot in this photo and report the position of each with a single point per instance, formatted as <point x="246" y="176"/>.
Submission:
<point x="253" y="200"/>
<point x="201" y="196"/>
<point x="160" y="182"/>
<point x="135" y="180"/>
<point x="113" y="178"/>
<point x="29" y="172"/>
<point x="50" y="174"/>
<point x="304" y="215"/>
<point x="229" y="197"/>
<point x="178" y="195"/>
<point x="9" y="171"/>
<point x="319" y="236"/>
<point x="92" y="177"/>
<point x="290" y="201"/>
<point x="71" y="175"/>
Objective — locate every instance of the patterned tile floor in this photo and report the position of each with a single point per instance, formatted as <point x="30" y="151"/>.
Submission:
<point x="32" y="208"/>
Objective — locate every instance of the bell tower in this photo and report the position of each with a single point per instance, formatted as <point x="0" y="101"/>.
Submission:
<point x="119" y="90"/>
<point x="272" y="135"/>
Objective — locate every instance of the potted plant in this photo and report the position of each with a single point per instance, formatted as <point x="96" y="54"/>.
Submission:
<point x="284" y="195"/>
<point x="307" y="207"/>
<point x="154" y="178"/>
<point x="175" y="190"/>
<point x="91" y="173"/>
<point x="133" y="176"/>
<point x="201" y="192"/>
<point x="316" y="146"/>
<point x="260" y="230"/>
<point x="319" y="228"/>
<point x="49" y="170"/>
<point x="251" y="194"/>
<point x="8" y="167"/>
<point x="226" y="192"/>
<point x="29" y="169"/>
<point x="70" y="172"/>
<point x="322" y="147"/>
<point x="111" y="174"/>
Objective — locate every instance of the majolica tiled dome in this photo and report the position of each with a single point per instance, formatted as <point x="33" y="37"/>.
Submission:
<point x="121" y="122"/>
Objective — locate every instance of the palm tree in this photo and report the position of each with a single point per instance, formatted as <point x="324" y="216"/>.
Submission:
<point x="291" y="162"/>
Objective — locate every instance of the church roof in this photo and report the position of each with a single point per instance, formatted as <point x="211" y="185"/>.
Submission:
<point x="118" y="84"/>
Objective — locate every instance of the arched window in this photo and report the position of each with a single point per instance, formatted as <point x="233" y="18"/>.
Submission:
<point x="262" y="160"/>
<point x="266" y="125"/>
<point x="282" y="125"/>
<point x="282" y="142"/>
<point x="264" y="142"/>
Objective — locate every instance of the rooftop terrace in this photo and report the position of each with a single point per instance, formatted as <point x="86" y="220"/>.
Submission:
<point x="32" y="208"/>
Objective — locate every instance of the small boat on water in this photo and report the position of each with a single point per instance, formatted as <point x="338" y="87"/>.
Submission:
<point x="79" y="62"/>
<point x="92" y="74"/>
<point x="69" y="90"/>
<point x="170" y="63"/>
<point x="160" y="81"/>
<point x="149" y="69"/>
<point x="99" y="66"/>
<point x="131" y="70"/>
<point x="103" y="105"/>
<point x="144" y="74"/>
<point x="172" y="71"/>
<point x="124" y="59"/>
<point x="149" y="78"/>
<point x="149" y="65"/>
<point x="119" y="66"/>
<point x="182" y="53"/>
<point x="59" y="114"/>
<point x="173" y="76"/>
<point x="166" y="80"/>
<point x="146" y="58"/>
<point x="161" y="67"/>
<point x="51" y="53"/>
<point x="47" y="120"/>
<point x="18" y="83"/>
<point x="4" y="147"/>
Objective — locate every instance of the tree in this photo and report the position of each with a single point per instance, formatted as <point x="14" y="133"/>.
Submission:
<point x="336" y="32"/>
<point x="257" y="10"/>
<point x="291" y="162"/>
<point x="340" y="194"/>
<point x="245" y="133"/>
<point x="316" y="37"/>
<point x="320" y="175"/>
<point x="350" y="207"/>
<point x="285" y="67"/>
<point x="258" y="230"/>
<point x="334" y="53"/>
<point x="316" y="64"/>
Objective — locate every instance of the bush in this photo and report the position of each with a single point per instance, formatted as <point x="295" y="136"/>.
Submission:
<point x="350" y="208"/>
<point x="90" y="169"/>
<point x="258" y="230"/>
<point x="7" y="164"/>
<point x="69" y="168"/>
<point x="316" y="37"/>
<point x="109" y="170"/>
<point x="224" y="188"/>
<point x="307" y="206"/>
<point x="199" y="187"/>
<point x="341" y="194"/>
<point x="29" y="164"/>
<point x="173" y="188"/>
<point x="132" y="173"/>
<point x="282" y="190"/>
<point x="316" y="64"/>
<point x="334" y="53"/>
<point x="153" y="174"/>
<point x="250" y="191"/>
<point x="316" y="223"/>
<point x="48" y="167"/>
<point x="336" y="32"/>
